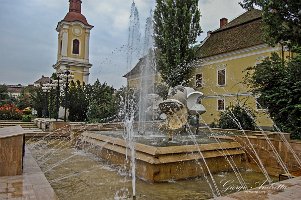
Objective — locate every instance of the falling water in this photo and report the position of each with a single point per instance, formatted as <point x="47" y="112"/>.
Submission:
<point x="133" y="46"/>
<point x="133" y="53"/>
<point x="147" y="74"/>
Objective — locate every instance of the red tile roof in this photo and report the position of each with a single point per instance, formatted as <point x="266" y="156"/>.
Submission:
<point x="75" y="16"/>
<point x="243" y="32"/>
<point x="42" y="80"/>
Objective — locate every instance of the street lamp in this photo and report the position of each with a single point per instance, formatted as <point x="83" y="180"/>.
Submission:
<point x="57" y="82"/>
<point x="47" y="89"/>
<point x="66" y="77"/>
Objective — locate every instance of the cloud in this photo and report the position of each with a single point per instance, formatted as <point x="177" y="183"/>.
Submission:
<point x="213" y="10"/>
<point x="28" y="42"/>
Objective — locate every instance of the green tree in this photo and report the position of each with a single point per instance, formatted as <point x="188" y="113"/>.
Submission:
<point x="103" y="103"/>
<point x="3" y="94"/>
<point x="282" y="20"/>
<point x="78" y="101"/>
<point x="38" y="98"/>
<point x="176" y="27"/>
<point x="161" y="90"/>
<point x="25" y="100"/>
<point x="278" y="83"/>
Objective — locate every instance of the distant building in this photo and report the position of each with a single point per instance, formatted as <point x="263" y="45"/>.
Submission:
<point x="73" y="43"/>
<point x="149" y="75"/>
<point x="14" y="91"/>
<point x="225" y="55"/>
<point x="41" y="81"/>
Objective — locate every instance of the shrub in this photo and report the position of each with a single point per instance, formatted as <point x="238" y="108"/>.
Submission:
<point x="26" y="118"/>
<point x="237" y="117"/>
<point x="27" y="111"/>
<point x="10" y="112"/>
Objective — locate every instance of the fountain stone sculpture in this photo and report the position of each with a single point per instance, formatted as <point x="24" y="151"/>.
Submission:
<point x="181" y="102"/>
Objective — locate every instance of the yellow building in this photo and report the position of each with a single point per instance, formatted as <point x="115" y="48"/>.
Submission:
<point x="135" y="75"/>
<point x="224" y="56"/>
<point x="73" y="43"/>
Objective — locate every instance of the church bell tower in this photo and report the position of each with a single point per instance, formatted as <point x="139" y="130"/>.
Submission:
<point x="73" y="43"/>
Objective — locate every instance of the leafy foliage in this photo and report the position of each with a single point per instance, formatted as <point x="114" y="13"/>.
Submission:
<point x="77" y="101"/>
<point x="94" y="103"/>
<point x="176" y="27"/>
<point x="3" y="94"/>
<point x="38" y="98"/>
<point x="10" y="112"/>
<point x="278" y="83"/>
<point x="282" y="20"/>
<point x="237" y="117"/>
<point x="103" y="103"/>
<point x="24" y="100"/>
<point x="161" y="90"/>
<point x="26" y="118"/>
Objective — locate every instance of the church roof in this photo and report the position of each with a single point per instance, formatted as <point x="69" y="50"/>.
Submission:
<point x="242" y="32"/>
<point x="42" y="80"/>
<point x="75" y="16"/>
<point x="15" y="88"/>
<point x="137" y="69"/>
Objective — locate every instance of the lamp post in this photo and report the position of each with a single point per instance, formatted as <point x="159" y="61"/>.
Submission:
<point x="57" y="82"/>
<point x="47" y="89"/>
<point x="66" y="76"/>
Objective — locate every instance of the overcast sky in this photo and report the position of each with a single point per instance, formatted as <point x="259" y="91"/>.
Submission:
<point x="28" y="40"/>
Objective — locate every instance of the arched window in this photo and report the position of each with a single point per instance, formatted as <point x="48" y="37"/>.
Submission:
<point x="75" y="49"/>
<point x="61" y="47"/>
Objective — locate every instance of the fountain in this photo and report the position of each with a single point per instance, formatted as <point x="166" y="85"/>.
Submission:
<point x="162" y="146"/>
<point x="181" y="102"/>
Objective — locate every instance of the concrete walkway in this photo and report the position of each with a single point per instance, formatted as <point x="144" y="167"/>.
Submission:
<point x="32" y="185"/>
<point x="285" y="190"/>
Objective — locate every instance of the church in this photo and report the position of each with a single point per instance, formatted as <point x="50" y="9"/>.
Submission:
<point x="73" y="43"/>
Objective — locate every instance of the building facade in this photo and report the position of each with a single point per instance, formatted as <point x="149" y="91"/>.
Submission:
<point x="137" y="75"/>
<point x="41" y="81"/>
<point x="73" y="43"/>
<point x="224" y="56"/>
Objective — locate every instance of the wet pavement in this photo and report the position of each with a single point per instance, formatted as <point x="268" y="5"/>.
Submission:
<point x="32" y="185"/>
<point x="76" y="175"/>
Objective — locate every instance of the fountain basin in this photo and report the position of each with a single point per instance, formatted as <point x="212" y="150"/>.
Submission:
<point x="160" y="164"/>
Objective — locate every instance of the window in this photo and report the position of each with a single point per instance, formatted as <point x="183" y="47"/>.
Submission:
<point x="199" y="80"/>
<point x="75" y="49"/>
<point x="221" y="104"/>
<point x="61" y="47"/>
<point x="221" y="77"/>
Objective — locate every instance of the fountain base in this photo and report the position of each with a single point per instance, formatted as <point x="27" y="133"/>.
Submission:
<point x="160" y="164"/>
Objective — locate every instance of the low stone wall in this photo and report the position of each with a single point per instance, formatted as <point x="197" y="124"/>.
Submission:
<point x="270" y="134"/>
<point x="288" y="151"/>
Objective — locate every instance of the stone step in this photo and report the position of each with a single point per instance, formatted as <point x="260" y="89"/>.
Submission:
<point x="4" y="123"/>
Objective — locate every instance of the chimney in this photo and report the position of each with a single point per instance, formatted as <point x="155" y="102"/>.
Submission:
<point x="223" y="22"/>
<point x="209" y="33"/>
